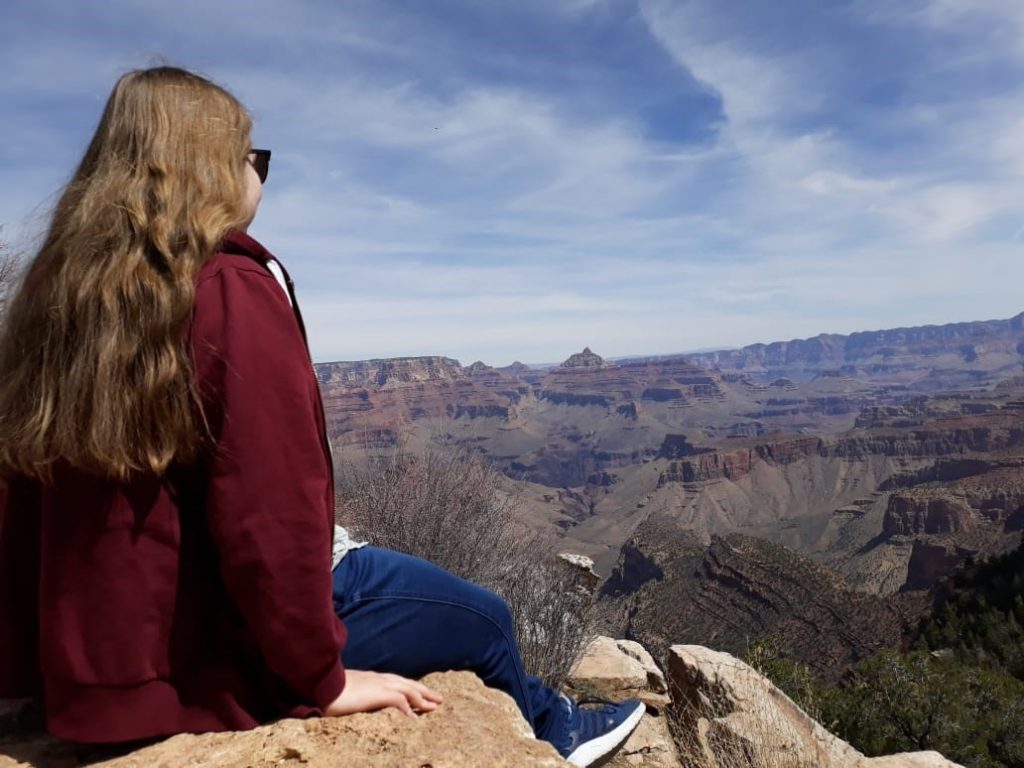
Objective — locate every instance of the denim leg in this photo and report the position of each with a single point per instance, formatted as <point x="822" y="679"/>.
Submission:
<point x="407" y="616"/>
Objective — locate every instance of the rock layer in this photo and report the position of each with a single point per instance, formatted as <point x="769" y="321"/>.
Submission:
<point x="983" y="346"/>
<point x="669" y="587"/>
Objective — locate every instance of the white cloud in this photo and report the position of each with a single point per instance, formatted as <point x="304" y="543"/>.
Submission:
<point x="813" y="177"/>
<point x="424" y="205"/>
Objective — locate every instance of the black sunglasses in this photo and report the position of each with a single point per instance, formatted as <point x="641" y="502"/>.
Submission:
<point x="259" y="159"/>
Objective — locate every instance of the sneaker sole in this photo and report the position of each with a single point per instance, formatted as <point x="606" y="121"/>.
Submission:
<point x="595" y="749"/>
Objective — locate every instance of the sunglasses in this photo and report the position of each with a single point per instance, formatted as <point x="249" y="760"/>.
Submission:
<point x="259" y="159"/>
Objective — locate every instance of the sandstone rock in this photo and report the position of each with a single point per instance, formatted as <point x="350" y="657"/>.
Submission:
<point x="583" y="571"/>
<point x="476" y="726"/>
<point x="649" y="746"/>
<point x="617" y="670"/>
<point x="622" y="669"/>
<point x="907" y="760"/>
<point x="735" y="716"/>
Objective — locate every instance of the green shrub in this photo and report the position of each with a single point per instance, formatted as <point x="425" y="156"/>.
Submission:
<point x="981" y="615"/>
<point x="794" y="679"/>
<point x="896" y="702"/>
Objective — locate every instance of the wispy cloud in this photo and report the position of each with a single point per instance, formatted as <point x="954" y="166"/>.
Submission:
<point x="517" y="180"/>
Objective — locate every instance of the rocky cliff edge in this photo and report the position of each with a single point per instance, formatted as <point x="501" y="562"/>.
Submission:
<point x="719" y="708"/>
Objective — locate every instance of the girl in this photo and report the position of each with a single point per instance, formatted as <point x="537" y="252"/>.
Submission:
<point x="166" y="530"/>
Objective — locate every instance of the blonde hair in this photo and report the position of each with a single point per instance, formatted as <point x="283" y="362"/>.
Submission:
<point x="93" y="365"/>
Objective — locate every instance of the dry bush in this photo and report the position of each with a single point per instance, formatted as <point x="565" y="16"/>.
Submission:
<point x="552" y="608"/>
<point x="428" y="504"/>
<point x="452" y="508"/>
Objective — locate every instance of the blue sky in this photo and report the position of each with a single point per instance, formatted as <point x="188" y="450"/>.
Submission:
<point x="516" y="179"/>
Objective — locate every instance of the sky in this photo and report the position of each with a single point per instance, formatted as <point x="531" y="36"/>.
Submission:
<point x="506" y="180"/>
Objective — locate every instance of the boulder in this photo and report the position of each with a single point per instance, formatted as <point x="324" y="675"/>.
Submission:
<point x="622" y="669"/>
<point x="617" y="670"/>
<point x="730" y="715"/>
<point x="582" y="568"/>
<point x="475" y="726"/>
<point x="649" y="746"/>
<point x="908" y="760"/>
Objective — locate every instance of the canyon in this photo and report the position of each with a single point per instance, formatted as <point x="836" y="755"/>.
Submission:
<point x="863" y="468"/>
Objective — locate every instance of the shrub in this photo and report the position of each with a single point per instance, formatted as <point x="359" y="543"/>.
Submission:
<point x="980" y="616"/>
<point x="905" y="702"/>
<point x="793" y="678"/>
<point x="452" y="508"/>
<point x="897" y="702"/>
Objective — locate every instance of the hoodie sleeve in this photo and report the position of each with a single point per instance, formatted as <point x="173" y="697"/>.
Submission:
<point x="268" y="503"/>
<point x="19" y="589"/>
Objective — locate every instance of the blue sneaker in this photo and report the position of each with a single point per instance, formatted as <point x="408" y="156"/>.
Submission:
<point x="591" y="734"/>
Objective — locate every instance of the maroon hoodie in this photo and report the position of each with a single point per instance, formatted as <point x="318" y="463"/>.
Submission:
<point x="199" y="600"/>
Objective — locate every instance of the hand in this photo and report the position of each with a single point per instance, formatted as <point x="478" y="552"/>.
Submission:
<point x="367" y="691"/>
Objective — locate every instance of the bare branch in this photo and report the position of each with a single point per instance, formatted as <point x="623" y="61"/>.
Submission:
<point x="452" y="508"/>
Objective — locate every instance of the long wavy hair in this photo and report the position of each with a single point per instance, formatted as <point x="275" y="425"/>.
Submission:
<point x="94" y="370"/>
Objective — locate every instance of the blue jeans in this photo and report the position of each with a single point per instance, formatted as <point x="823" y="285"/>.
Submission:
<point x="409" y="617"/>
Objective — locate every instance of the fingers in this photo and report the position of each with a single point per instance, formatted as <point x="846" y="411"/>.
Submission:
<point x="420" y="690"/>
<point x="420" y="702"/>
<point x="399" y="701"/>
<point x="416" y="695"/>
<point x="431" y="695"/>
<point x="366" y="691"/>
